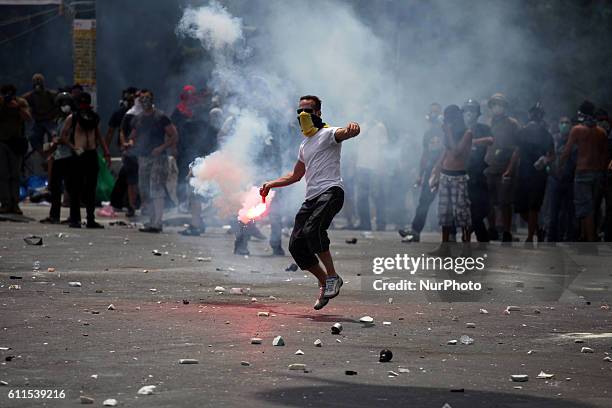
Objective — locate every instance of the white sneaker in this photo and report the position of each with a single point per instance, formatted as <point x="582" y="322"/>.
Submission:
<point x="322" y="301"/>
<point x="332" y="286"/>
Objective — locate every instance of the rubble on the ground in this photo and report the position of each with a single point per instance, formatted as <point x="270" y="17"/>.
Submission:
<point x="278" y="341"/>
<point x="147" y="390"/>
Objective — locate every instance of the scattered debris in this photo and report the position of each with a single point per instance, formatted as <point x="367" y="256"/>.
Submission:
<point x="530" y="352"/>
<point x="390" y="300"/>
<point x="50" y="269"/>
<point x="392" y="373"/>
<point x="94" y="376"/>
<point x="188" y="361"/>
<point x="403" y="370"/>
<point x="385" y="356"/>
<point x="263" y="314"/>
<point x="238" y="291"/>
<point x="351" y="240"/>
<point x="605" y="307"/>
<point x="452" y="342"/>
<point x="3" y="383"/>
<point x="513" y="309"/>
<point x="292" y="268"/>
<point x="74" y="284"/>
<point x="386" y="323"/>
<point x="519" y="377"/>
<point x="153" y="290"/>
<point x="318" y="343"/>
<point x="256" y="340"/>
<point x="297" y="367"/>
<point x="204" y="259"/>
<point x="545" y="376"/>
<point x="156" y="252"/>
<point x="336" y="328"/>
<point x="111" y="307"/>
<point x="33" y="240"/>
<point x="15" y="277"/>
<point x="254" y="299"/>
<point x="278" y="341"/>
<point x="578" y="341"/>
<point x="608" y="359"/>
<point x="185" y="302"/>
<point x="219" y="289"/>
<point x="14" y="287"/>
<point x="587" y="350"/>
<point x="470" y="325"/>
<point x="147" y="390"/>
<point x="367" y="319"/>
<point x="111" y="402"/>
<point x="86" y="400"/>
<point x="467" y="340"/>
<point x="350" y="372"/>
<point x="299" y="353"/>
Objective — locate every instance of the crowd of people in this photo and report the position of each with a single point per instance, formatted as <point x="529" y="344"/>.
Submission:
<point x="483" y="171"/>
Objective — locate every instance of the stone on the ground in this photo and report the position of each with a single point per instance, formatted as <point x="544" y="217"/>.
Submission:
<point x="392" y="374"/>
<point x="111" y="307"/>
<point x="219" y="289"/>
<point x="245" y="363"/>
<point x="470" y="325"/>
<point x="367" y="319"/>
<point x="544" y="375"/>
<point x="403" y="370"/>
<point x="587" y="350"/>
<point x="147" y="390"/>
<point x="299" y="353"/>
<point x="386" y="323"/>
<point x="238" y="291"/>
<point x="297" y="367"/>
<point x="513" y="309"/>
<point x="519" y="377"/>
<point x="111" y="402"/>
<point x="256" y="340"/>
<point x="188" y="361"/>
<point x="263" y="314"/>
<point x="206" y="259"/>
<point x="350" y="372"/>
<point x="385" y="356"/>
<point x="278" y="341"/>
<point x="318" y="343"/>
<point x="50" y="269"/>
<point x="3" y="383"/>
<point x="467" y="340"/>
<point x="86" y="400"/>
<point x="74" y="284"/>
<point x="608" y="359"/>
<point x="452" y="342"/>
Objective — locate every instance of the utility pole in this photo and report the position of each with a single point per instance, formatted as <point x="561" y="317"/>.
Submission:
<point x="84" y="45"/>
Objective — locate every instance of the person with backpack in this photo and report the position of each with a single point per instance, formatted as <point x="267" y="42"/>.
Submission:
<point x="82" y="133"/>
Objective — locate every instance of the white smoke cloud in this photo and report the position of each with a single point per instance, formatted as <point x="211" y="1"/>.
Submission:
<point x="212" y="25"/>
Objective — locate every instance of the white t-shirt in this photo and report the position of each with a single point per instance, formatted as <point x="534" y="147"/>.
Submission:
<point x="320" y="154"/>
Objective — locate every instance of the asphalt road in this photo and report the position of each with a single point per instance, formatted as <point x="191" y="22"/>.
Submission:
<point x="61" y="337"/>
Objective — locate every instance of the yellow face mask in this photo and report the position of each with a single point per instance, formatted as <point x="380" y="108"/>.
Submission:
<point x="310" y="123"/>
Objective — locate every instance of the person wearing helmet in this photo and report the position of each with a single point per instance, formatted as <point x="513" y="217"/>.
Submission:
<point x="432" y="152"/>
<point x="501" y="159"/>
<point x="477" y="182"/>
<point x="535" y="152"/>
<point x="60" y="158"/>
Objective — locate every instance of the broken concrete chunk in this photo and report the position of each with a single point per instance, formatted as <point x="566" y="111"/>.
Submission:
<point x="278" y="341"/>
<point x="188" y="361"/>
<point x="263" y="314"/>
<point x="519" y="377"/>
<point x="587" y="350"/>
<point x="299" y="353"/>
<point x="513" y="309"/>
<point x="403" y="370"/>
<point x="470" y="325"/>
<point x="608" y="359"/>
<point x="111" y="307"/>
<point x="219" y="289"/>
<point x="111" y="402"/>
<point x="205" y="259"/>
<point x="292" y="268"/>
<point x="543" y="375"/>
<point x="147" y="390"/>
<point x="245" y="363"/>
<point x="484" y="311"/>
<point x="74" y="284"/>
<point x="238" y="291"/>
<point x="392" y="374"/>
<point x="367" y="319"/>
<point x="256" y="340"/>
<point x="318" y="343"/>
<point x="297" y="367"/>
<point x="86" y="400"/>
<point x="452" y="342"/>
<point x="467" y="340"/>
<point x="386" y="323"/>
<point x="50" y="269"/>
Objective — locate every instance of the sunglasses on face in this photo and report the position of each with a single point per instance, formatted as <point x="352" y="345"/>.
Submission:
<point x="307" y="110"/>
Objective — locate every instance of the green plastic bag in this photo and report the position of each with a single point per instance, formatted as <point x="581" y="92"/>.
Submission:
<point x="106" y="181"/>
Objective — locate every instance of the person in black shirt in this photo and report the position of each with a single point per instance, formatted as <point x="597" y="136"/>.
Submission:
<point x="535" y="152"/>
<point x="149" y="143"/>
<point x="477" y="183"/>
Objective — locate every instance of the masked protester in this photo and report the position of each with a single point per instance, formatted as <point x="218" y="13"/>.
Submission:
<point x="14" y="112"/>
<point x="561" y="188"/>
<point x="44" y="111"/>
<point x="477" y="182"/>
<point x="81" y="132"/>
<point x="501" y="159"/>
<point x="591" y="165"/>
<point x="535" y="152"/>
<point x="319" y="161"/>
<point x="152" y="135"/>
<point x="432" y="152"/>
<point x="62" y="157"/>
<point x="451" y="173"/>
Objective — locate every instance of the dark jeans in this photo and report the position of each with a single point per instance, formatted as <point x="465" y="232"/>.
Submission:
<point x="10" y="166"/>
<point x="82" y="183"/>
<point x="309" y="236"/>
<point x="479" y="206"/>
<point x="59" y="177"/>
<point x="562" y="216"/>
<point x="426" y="197"/>
<point x="368" y="185"/>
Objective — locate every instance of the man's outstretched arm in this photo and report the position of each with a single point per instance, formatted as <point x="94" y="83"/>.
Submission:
<point x="351" y="130"/>
<point x="296" y="175"/>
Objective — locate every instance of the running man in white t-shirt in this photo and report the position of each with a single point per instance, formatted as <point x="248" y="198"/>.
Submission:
<point x="319" y="161"/>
